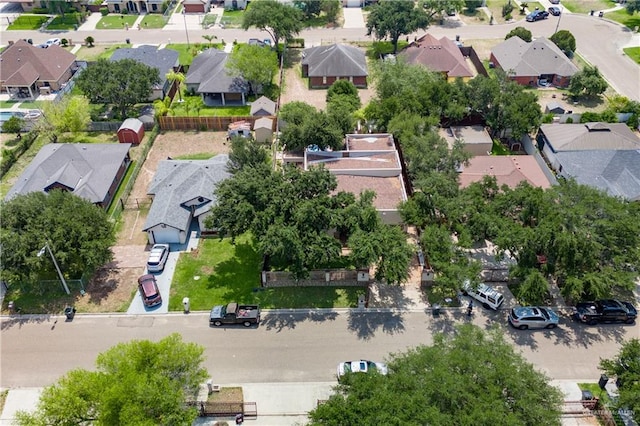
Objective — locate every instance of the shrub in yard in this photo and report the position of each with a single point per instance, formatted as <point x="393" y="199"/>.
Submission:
<point x="104" y="11"/>
<point x="548" y="118"/>
<point x="89" y="40"/>
<point x="569" y="120"/>
<point x="64" y="42"/>
<point x="507" y="9"/>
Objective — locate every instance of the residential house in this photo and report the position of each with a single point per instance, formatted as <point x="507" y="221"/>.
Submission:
<point x="164" y="60"/>
<point x="534" y="63"/>
<point x="324" y="65"/>
<point x="27" y="70"/>
<point x="369" y="162"/>
<point x="89" y="170"/>
<point x="183" y="196"/>
<point x="196" y="6"/>
<point x="136" y="6"/>
<point x="208" y="76"/>
<point x="443" y="56"/>
<point x="263" y="106"/>
<point x="508" y="170"/>
<point x="477" y="140"/>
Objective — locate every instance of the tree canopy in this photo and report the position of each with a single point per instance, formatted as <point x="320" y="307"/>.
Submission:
<point x="625" y="366"/>
<point x="469" y="378"/>
<point x="305" y="125"/>
<point x="258" y="65"/>
<point x="565" y="41"/>
<point x="135" y="383"/>
<point x="521" y="32"/>
<point x="392" y="19"/>
<point x="78" y="232"/>
<point x="71" y="114"/>
<point x="122" y="83"/>
<point x="280" y="20"/>
<point x="588" y="82"/>
<point x="13" y="125"/>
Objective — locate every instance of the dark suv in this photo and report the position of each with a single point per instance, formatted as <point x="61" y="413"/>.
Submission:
<point x="149" y="291"/>
<point x="537" y="15"/>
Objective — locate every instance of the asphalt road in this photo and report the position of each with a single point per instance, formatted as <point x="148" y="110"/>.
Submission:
<point x="598" y="40"/>
<point x="286" y="347"/>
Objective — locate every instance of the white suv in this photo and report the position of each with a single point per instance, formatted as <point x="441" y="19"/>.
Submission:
<point x="158" y="257"/>
<point x="484" y="294"/>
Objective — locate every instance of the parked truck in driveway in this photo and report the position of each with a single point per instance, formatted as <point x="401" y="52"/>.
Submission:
<point x="234" y="313"/>
<point x="607" y="310"/>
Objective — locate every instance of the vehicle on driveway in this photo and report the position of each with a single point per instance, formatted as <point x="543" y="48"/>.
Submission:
<point x="361" y="366"/>
<point x="526" y="317"/>
<point x="606" y="310"/>
<point x="149" y="291"/>
<point x="158" y="257"/>
<point x="555" y="10"/>
<point x="484" y="294"/>
<point x="537" y="15"/>
<point x="233" y="313"/>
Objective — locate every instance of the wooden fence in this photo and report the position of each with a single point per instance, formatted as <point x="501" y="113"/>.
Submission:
<point x="317" y="278"/>
<point x="201" y="123"/>
<point x="225" y="409"/>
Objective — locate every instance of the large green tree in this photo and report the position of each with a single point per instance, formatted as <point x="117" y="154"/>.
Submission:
<point x="441" y="8"/>
<point x="392" y="19"/>
<point x="588" y="82"/>
<point x="625" y="366"/>
<point x="122" y="83"/>
<point x="469" y="378"/>
<point x="135" y="383"/>
<point x="256" y="64"/>
<point x="245" y="152"/>
<point x="78" y="232"/>
<point x="521" y="32"/>
<point x="565" y="41"/>
<point x="71" y="114"/>
<point x="280" y="20"/>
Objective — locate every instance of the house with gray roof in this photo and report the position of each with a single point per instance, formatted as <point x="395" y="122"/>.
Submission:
<point x="615" y="172"/>
<point x="183" y="192"/>
<point x="89" y="170"/>
<point x="208" y="76"/>
<point x="529" y="63"/>
<point x="324" y="65"/>
<point x="164" y="60"/>
<point x="263" y="106"/>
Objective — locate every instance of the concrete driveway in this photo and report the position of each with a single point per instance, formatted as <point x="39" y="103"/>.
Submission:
<point x="163" y="280"/>
<point x="353" y="17"/>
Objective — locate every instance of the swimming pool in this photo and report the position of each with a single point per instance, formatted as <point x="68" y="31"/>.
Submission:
<point x="5" y="115"/>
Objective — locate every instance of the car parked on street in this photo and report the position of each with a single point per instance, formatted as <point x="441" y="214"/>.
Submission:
<point x="149" y="291"/>
<point x="361" y="366"/>
<point x="158" y="257"/>
<point x="537" y="15"/>
<point x="525" y="317"/>
<point x="606" y="310"/>
<point x="50" y="42"/>
<point x="486" y="295"/>
<point x="555" y="10"/>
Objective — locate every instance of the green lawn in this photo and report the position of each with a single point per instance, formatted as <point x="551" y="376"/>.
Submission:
<point x="121" y="187"/>
<point x="585" y="6"/>
<point x="116" y="22"/>
<point x="199" y="156"/>
<point x="152" y="20"/>
<point x="621" y="16"/>
<point x="7" y="104"/>
<point x="186" y="109"/>
<point x="219" y="272"/>
<point x="24" y="160"/>
<point x="32" y="104"/>
<point x="67" y="22"/>
<point x="232" y="18"/>
<point x="97" y="52"/>
<point x="28" y="22"/>
<point x="633" y="53"/>
<point x="188" y="52"/>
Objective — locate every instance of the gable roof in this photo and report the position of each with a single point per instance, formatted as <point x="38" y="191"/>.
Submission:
<point x="508" y="170"/>
<point x="86" y="169"/>
<point x="265" y="104"/>
<point x="439" y="55"/>
<point x="164" y="60"/>
<point x="178" y="182"/>
<point x="590" y="136"/>
<point x="263" y="123"/>
<point x="540" y="56"/>
<point x="131" y="123"/>
<point x="22" y="63"/>
<point x="616" y="172"/>
<point x="208" y="70"/>
<point x="339" y="60"/>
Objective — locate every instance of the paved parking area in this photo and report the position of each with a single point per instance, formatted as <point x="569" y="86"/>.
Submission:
<point x="353" y="17"/>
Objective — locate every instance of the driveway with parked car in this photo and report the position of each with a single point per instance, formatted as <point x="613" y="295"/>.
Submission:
<point x="163" y="281"/>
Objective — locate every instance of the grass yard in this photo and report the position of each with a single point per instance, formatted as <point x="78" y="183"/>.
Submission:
<point x="116" y="22"/>
<point x="8" y="179"/>
<point x="69" y="21"/>
<point x="495" y="10"/>
<point x="121" y="187"/>
<point x="7" y="104"/>
<point x="633" y="53"/>
<point x="621" y="16"/>
<point x="219" y="272"/>
<point x="232" y="18"/>
<point x="152" y="21"/>
<point x="188" y="52"/>
<point x="200" y="156"/>
<point x="88" y="137"/>
<point x="585" y="6"/>
<point x="97" y="52"/>
<point x="32" y="104"/>
<point x="28" y="22"/>
<point x="194" y="107"/>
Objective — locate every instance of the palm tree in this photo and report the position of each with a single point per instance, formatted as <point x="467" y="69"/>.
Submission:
<point x="179" y="77"/>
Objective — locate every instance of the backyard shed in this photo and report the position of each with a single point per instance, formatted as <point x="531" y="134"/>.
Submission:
<point x="263" y="129"/>
<point x="554" y="108"/>
<point x="131" y="131"/>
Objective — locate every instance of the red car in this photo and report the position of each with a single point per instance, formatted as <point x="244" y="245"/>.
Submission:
<point x="149" y="291"/>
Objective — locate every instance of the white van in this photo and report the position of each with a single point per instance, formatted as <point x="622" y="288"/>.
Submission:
<point x="484" y="294"/>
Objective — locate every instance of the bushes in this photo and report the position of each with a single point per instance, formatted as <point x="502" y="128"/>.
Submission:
<point x="10" y="156"/>
<point x="104" y="11"/>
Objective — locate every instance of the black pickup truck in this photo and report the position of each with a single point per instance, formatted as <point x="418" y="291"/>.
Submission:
<point x="234" y="314"/>
<point x="607" y="310"/>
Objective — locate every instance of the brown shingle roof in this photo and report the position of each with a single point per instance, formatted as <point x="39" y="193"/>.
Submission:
<point x="439" y="55"/>
<point x="21" y="61"/>
<point x="509" y="170"/>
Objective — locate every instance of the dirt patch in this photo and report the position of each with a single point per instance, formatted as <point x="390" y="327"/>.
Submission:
<point x="109" y="290"/>
<point x="228" y="395"/>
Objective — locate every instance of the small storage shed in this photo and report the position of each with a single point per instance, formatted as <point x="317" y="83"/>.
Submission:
<point x="263" y="106"/>
<point x="263" y="129"/>
<point x="554" y="108"/>
<point x="131" y="131"/>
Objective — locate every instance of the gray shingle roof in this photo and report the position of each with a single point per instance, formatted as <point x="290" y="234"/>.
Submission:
<point x="616" y="172"/>
<point x="86" y="169"/>
<point x="339" y="60"/>
<point x="208" y="70"/>
<point x="590" y="136"/>
<point x="263" y="104"/>
<point x="164" y="60"/>
<point x="177" y="182"/>
<point x="541" y="56"/>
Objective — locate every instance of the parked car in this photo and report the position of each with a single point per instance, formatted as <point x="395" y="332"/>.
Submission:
<point x="554" y="1"/>
<point x="361" y="366"/>
<point x="50" y="42"/>
<point x="537" y="15"/>
<point x="555" y="10"/>
<point x="233" y="313"/>
<point x="526" y="317"/>
<point x="606" y="310"/>
<point x="486" y="295"/>
<point x="149" y="291"/>
<point x="158" y="257"/>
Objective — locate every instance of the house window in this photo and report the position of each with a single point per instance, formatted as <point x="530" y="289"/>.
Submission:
<point x="324" y="79"/>
<point x="154" y="7"/>
<point x="116" y="7"/>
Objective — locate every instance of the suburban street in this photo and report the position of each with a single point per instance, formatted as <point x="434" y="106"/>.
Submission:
<point x="287" y="347"/>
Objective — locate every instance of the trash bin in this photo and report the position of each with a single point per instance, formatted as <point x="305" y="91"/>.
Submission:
<point x="435" y="309"/>
<point x="186" y="305"/>
<point x="604" y="379"/>
<point x="239" y="418"/>
<point x="70" y="311"/>
<point x="591" y="13"/>
<point x="128" y="41"/>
